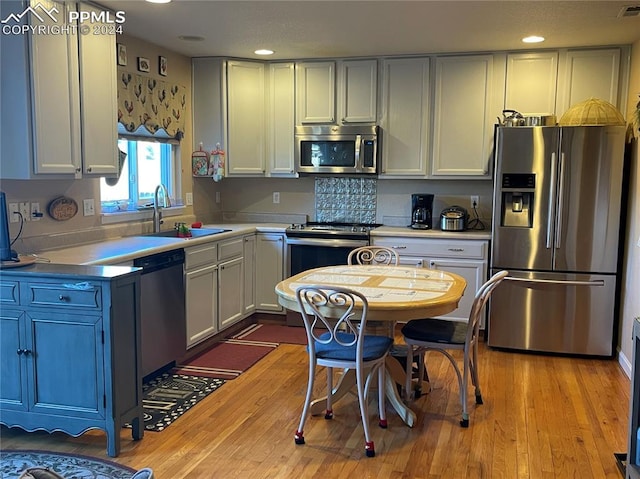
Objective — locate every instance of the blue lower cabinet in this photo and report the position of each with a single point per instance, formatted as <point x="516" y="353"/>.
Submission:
<point x="70" y="350"/>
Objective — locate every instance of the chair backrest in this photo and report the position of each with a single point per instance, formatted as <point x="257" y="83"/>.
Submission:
<point x="480" y="300"/>
<point x="334" y="310"/>
<point x="373" y="255"/>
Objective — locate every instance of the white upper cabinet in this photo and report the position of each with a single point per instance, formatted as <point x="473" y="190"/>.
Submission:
<point x="404" y="117"/>
<point x="315" y="92"/>
<point x="589" y="74"/>
<point x="531" y="82"/>
<point x="352" y="93"/>
<point x="358" y="86"/>
<point x="98" y="102"/>
<point x="467" y="96"/>
<point x="246" y="135"/>
<point x="60" y="119"/>
<point x="281" y="119"/>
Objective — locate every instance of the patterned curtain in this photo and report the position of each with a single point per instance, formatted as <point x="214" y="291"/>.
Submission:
<point x="152" y="103"/>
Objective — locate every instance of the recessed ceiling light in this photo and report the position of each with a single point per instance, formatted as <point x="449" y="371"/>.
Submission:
<point x="191" y="38"/>
<point x="533" y="39"/>
<point x="263" y="51"/>
<point x="158" y="1"/>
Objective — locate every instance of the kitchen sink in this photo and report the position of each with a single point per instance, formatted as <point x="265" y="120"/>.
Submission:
<point x="195" y="233"/>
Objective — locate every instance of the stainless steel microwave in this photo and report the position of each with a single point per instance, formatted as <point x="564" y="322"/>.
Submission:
<point x="335" y="149"/>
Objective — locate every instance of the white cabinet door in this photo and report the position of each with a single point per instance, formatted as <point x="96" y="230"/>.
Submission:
<point x="475" y="274"/>
<point x="405" y="117"/>
<point x="248" y="274"/>
<point x="358" y="90"/>
<point x="230" y="292"/>
<point x="589" y="74"/>
<point x="531" y="82"/>
<point x="464" y="116"/>
<point x="281" y="119"/>
<point x="98" y="101"/>
<point x="201" y="303"/>
<point x="209" y="102"/>
<point x="315" y="92"/>
<point x="246" y="113"/>
<point x="269" y="270"/>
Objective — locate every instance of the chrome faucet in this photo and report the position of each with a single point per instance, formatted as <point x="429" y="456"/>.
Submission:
<point x="157" y="208"/>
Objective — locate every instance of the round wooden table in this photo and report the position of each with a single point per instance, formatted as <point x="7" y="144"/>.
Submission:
<point x="394" y="293"/>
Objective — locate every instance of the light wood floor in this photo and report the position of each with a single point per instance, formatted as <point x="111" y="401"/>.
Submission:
<point x="543" y="417"/>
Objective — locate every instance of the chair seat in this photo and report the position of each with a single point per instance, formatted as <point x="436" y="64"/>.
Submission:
<point x="436" y="331"/>
<point x="374" y="347"/>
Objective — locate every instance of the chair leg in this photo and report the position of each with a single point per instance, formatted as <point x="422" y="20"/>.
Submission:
<point x="362" y="401"/>
<point x="328" y="414"/>
<point x="474" y="374"/>
<point x="381" y="396"/>
<point x="299" y="435"/>
<point x="408" y="378"/>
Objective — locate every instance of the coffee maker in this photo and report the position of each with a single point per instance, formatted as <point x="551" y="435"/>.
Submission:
<point x="421" y="212"/>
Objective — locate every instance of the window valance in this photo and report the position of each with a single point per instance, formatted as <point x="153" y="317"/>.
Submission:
<point x="152" y="103"/>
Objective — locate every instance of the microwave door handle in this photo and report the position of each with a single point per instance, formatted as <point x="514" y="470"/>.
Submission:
<point x="359" y="140"/>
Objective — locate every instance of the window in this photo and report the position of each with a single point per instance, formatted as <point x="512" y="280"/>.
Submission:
<point x="148" y="163"/>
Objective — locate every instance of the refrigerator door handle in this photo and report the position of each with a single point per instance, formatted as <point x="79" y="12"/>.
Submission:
<point x="552" y="199"/>
<point x="560" y="200"/>
<point x="598" y="282"/>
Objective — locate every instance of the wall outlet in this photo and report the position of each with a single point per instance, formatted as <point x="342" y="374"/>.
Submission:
<point x="89" y="207"/>
<point x="475" y="201"/>
<point x="276" y="197"/>
<point x="189" y="198"/>
<point x="13" y="209"/>
<point x="25" y="210"/>
<point x="36" y="214"/>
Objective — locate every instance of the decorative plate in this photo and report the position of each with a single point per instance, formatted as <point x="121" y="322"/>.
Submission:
<point x="62" y="208"/>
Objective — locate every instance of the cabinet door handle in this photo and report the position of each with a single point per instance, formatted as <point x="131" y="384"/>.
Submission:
<point x="456" y="249"/>
<point x="399" y="247"/>
<point x="23" y="351"/>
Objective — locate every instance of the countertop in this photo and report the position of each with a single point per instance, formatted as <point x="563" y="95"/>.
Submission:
<point x="126" y="249"/>
<point x="439" y="234"/>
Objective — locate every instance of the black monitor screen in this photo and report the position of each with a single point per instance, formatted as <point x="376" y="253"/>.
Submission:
<point x="5" y="241"/>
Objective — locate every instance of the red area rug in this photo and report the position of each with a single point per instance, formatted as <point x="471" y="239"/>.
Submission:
<point x="273" y="333"/>
<point x="230" y="358"/>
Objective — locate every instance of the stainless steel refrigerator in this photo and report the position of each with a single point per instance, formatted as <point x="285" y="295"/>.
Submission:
<point x="557" y="215"/>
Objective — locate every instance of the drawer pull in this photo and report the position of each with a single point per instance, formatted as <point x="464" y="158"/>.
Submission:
<point x="399" y="247"/>
<point x="63" y="298"/>
<point x="456" y="249"/>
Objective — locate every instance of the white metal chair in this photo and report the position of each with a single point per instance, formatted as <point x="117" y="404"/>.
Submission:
<point x="441" y="335"/>
<point x="373" y="255"/>
<point x="335" y="322"/>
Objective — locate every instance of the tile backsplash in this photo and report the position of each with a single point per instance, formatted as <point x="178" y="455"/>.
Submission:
<point x="348" y="200"/>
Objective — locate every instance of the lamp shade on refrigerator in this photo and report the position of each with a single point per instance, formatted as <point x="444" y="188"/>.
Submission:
<point x="558" y="195"/>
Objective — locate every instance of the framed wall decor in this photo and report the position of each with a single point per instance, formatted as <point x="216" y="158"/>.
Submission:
<point x="122" y="54"/>
<point x="162" y="66"/>
<point x="143" y="64"/>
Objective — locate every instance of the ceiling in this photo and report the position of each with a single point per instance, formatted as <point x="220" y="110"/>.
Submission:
<point x="325" y="29"/>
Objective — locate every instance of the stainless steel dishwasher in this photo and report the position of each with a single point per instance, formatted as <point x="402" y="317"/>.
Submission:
<point x="163" y="321"/>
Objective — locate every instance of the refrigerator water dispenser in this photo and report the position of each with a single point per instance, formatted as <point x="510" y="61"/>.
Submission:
<point x="517" y="209"/>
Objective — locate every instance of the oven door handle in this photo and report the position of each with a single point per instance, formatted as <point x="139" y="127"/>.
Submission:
<point x="337" y="243"/>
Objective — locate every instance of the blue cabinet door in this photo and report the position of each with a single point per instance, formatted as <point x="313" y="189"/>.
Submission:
<point x="66" y="364"/>
<point x="13" y="370"/>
